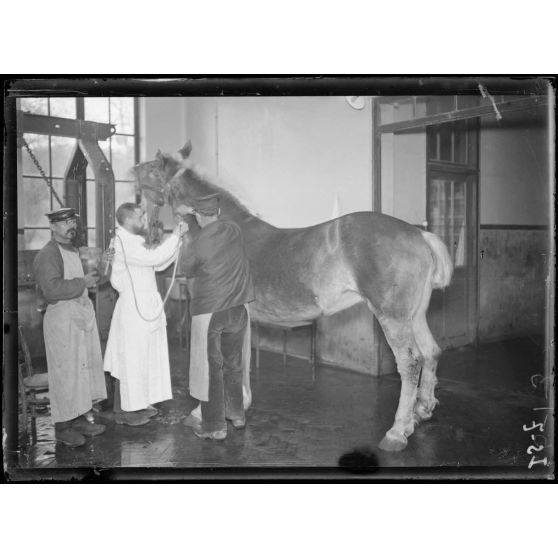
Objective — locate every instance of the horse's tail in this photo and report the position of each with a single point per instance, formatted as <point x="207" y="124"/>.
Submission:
<point x="443" y="268"/>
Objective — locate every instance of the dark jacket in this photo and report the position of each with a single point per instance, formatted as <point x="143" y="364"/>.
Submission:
<point x="217" y="261"/>
<point x="48" y="268"/>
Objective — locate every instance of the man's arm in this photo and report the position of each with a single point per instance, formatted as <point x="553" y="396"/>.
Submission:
<point x="189" y="261"/>
<point x="141" y="256"/>
<point x="50" y="277"/>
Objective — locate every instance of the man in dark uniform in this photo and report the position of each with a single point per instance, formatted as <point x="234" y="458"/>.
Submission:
<point x="221" y="287"/>
<point x="75" y="366"/>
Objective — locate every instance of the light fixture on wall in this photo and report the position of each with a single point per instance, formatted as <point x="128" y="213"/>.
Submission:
<point x="356" y="102"/>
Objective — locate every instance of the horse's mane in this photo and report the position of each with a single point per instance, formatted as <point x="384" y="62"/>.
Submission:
<point x="201" y="180"/>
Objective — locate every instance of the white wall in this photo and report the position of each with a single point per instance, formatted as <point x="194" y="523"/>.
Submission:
<point x="163" y="125"/>
<point x="404" y="176"/>
<point x="288" y="158"/>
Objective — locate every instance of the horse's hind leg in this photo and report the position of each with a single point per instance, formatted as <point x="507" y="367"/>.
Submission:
<point x="431" y="353"/>
<point x="401" y="339"/>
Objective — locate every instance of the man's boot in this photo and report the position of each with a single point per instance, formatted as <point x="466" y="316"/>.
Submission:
<point x="132" y="418"/>
<point x="84" y="427"/>
<point x="65" y="434"/>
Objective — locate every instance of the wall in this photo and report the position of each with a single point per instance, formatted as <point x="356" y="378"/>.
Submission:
<point x="514" y="215"/>
<point x="404" y="176"/>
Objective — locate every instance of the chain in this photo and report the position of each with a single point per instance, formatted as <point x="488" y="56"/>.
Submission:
<point x="43" y="174"/>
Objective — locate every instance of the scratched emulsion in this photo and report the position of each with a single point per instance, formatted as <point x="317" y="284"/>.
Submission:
<point x="305" y="418"/>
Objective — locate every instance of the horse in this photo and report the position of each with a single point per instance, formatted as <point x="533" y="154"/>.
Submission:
<point x="302" y="273"/>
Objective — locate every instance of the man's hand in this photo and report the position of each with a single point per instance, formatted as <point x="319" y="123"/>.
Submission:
<point x="181" y="229"/>
<point x="91" y="279"/>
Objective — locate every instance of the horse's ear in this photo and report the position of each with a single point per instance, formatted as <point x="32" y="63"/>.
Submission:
<point x="162" y="159"/>
<point x="186" y="150"/>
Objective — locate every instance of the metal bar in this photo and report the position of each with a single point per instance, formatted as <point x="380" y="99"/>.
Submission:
<point x="65" y="127"/>
<point x="104" y="188"/>
<point x="471" y="112"/>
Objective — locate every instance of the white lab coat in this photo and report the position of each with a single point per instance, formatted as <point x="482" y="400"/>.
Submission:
<point x="137" y="350"/>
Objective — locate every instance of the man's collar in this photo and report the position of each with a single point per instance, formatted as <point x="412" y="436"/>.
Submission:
<point x="66" y="245"/>
<point x="126" y="233"/>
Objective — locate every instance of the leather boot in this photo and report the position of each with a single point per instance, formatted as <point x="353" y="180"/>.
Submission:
<point x="86" y="428"/>
<point x="65" y="434"/>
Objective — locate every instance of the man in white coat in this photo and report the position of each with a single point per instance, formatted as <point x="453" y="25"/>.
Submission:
<point x="137" y="351"/>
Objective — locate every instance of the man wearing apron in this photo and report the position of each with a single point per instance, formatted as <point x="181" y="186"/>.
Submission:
<point x="75" y="365"/>
<point x="221" y="289"/>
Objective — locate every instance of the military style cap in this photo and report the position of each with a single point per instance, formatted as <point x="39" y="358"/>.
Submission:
<point x="206" y="203"/>
<point x="62" y="214"/>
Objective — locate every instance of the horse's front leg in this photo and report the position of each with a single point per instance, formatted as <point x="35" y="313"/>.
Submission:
<point x="409" y="363"/>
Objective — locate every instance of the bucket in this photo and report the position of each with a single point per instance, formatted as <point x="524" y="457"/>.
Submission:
<point x="90" y="259"/>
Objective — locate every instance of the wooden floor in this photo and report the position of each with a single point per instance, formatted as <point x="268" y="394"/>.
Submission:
<point x="310" y="422"/>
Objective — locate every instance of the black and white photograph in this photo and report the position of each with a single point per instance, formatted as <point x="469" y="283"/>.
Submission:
<point x="239" y="277"/>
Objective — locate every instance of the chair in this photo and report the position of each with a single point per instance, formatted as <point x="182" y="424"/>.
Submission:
<point x="30" y="382"/>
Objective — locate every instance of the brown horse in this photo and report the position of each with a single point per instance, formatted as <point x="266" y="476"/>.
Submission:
<point x="300" y="274"/>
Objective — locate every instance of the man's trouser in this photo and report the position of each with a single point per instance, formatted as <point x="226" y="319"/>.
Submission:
<point x="225" y="339"/>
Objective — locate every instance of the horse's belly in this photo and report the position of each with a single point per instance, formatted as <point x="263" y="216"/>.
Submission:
<point x="270" y="308"/>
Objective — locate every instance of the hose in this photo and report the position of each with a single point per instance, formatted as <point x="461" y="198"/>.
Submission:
<point x="134" y="290"/>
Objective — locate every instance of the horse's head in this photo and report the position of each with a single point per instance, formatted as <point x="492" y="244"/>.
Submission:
<point x="154" y="178"/>
<point x="175" y="180"/>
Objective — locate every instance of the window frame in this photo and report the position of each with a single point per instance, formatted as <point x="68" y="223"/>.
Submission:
<point x="79" y="115"/>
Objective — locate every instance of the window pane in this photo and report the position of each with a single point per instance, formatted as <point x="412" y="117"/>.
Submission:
<point x="36" y="105"/>
<point x="62" y="150"/>
<point x="122" y="148"/>
<point x="36" y="239"/>
<point x="445" y="142"/>
<point x="432" y="145"/>
<point x="63" y="107"/>
<point x="124" y="192"/>
<point x="97" y="109"/>
<point x="459" y="224"/>
<point x="447" y="216"/>
<point x="58" y="185"/>
<point x="91" y="213"/>
<point x="39" y="147"/>
<point x="122" y="114"/>
<point x="91" y="238"/>
<point x="36" y="202"/>
<point x="459" y="142"/>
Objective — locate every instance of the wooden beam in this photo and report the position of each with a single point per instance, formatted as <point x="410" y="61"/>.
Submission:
<point x="65" y="127"/>
<point x="471" y="112"/>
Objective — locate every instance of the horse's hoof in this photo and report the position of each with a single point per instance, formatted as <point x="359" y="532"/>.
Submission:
<point x="390" y="443"/>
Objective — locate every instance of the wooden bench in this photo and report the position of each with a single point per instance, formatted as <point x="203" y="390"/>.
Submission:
<point x="285" y="327"/>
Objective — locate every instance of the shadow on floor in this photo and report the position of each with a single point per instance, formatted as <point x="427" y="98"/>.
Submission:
<point x="309" y="421"/>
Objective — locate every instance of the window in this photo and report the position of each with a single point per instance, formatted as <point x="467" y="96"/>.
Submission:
<point x="453" y="142"/>
<point x="54" y="153"/>
<point x="451" y="150"/>
<point x="447" y="215"/>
